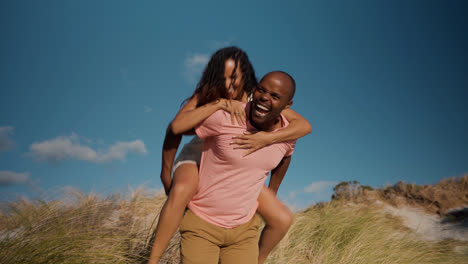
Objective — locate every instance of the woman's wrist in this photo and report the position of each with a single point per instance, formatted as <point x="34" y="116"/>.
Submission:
<point x="220" y="104"/>
<point x="271" y="137"/>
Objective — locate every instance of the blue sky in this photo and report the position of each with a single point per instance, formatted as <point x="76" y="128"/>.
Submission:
<point x="88" y="88"/>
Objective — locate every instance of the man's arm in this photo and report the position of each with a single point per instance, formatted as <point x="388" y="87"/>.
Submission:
<point x="277" y="174"/>
<point x="171" y="143"/>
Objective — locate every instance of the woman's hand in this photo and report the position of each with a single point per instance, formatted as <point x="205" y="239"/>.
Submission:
<point x="252" y="141"/>
<point x="235" y="108"/>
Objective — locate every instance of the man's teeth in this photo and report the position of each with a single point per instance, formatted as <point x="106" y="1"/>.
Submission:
<point x="258" y="113"/>
<point x="261" y="110"/>
<point x="262" y="107"/>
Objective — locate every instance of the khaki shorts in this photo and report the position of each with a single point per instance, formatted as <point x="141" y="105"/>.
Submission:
<point x="205" y="243"/>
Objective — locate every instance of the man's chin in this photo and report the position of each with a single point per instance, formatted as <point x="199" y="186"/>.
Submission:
<point x="259" y="122"/>
<point x="260" y="117"/>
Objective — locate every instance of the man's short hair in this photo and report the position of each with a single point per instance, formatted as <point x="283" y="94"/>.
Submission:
<point x="293" y="84"/>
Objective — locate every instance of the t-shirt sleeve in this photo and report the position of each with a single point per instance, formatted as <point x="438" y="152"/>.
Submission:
<point x="211" y="126"/>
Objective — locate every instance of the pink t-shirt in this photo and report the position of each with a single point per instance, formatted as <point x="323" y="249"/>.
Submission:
<point x="229" y="184"/>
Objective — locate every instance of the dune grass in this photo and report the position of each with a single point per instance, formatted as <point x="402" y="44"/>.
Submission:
<point x="87" y="228"/>
<point x="79" y="229"/>
<point x="340" y="232"/>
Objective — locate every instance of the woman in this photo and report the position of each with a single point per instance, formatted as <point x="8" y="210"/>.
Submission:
<point x="227" y="81"/>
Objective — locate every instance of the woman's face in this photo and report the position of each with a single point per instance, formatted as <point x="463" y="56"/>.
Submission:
<point x="234" y="82"/>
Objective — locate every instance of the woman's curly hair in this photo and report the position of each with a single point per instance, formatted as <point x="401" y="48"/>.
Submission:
<point x="211" y="86"/>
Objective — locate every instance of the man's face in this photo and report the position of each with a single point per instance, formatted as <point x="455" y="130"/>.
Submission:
<point x="270" y="98"/>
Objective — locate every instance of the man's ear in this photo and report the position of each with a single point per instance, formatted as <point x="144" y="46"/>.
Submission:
<point x="288" y="104"/>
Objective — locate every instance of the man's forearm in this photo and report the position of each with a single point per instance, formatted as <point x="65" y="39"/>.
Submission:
<point x="277" y="174"/>
<point x="171" y="143"/>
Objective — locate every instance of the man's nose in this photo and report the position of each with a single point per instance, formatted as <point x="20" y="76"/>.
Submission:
<point x="265" y="96"/>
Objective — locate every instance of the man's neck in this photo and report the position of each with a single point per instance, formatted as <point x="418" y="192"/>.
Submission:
<point x="278" y="123"/>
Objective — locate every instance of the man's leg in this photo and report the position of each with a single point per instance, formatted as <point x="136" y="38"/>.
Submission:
<point x="199" y="243"/>
<point x="277" y="219"/>
<point x="244" y="245"/>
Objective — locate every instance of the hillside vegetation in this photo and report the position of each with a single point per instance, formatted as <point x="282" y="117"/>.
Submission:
<point x="352" y="228"/>
<point x="440" y="198"/>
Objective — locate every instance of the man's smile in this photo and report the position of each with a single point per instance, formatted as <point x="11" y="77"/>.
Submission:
<point x="261" y="110"/>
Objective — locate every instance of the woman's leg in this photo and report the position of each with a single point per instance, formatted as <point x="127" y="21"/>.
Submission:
<point x="278" y="218"/>
<point x="184" y="186"/>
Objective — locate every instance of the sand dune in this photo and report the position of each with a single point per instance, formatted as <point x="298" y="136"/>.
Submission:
<point x="431" y="226"/>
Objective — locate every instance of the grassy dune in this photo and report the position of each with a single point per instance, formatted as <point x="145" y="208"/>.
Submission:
<point x="87" y="228"/>
<point x="79" y="229"/>
<point x="438" y="198"/>
<point x="341" y="232"/>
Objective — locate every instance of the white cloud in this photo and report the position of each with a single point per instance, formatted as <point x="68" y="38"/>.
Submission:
<point x="61" y="148"/>
<point x="221" y="44"/>
<point x="320" y="186"/>
<point x="299" y="199"/>
<point x="147" y="109"/>
<point x="5" y="142"/>
<point x="194" y="65"/>
<point x="292" y="195"/>
<point x="119" y="150"/>
<point x="196" y="60"/>
<point x="10" y="178"/>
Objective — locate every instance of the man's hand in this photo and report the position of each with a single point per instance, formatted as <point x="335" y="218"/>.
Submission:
<point x="252" y="141"/>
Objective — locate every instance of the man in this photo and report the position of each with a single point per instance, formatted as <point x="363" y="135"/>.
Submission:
<point x="221" y="224"/>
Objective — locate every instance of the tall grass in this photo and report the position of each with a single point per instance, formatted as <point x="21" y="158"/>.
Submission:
<point x="79" y="229"/>
<point x="87" y="228"/>
<point x="340" y="232"/>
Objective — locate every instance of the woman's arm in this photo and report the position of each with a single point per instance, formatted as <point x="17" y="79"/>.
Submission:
<point x="190" y="115"/>
<point x="186" y="119"/>
<point x="297" y="128"/>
